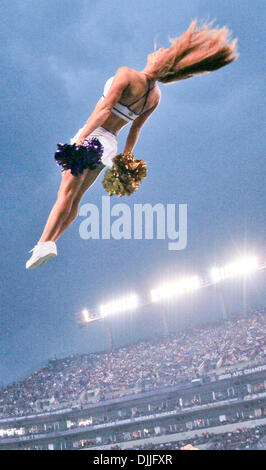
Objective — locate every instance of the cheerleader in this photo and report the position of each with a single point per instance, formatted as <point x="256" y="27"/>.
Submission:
<point x="129" y="97"/>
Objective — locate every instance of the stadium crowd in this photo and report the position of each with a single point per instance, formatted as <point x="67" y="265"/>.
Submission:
<point x="245" y="438"/>
<point x="151" y="364"/>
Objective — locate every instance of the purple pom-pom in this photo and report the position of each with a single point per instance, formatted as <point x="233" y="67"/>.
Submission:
<point x="78" y="158"/>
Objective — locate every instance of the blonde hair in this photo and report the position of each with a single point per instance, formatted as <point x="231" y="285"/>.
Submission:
<point x="195" y="52"/>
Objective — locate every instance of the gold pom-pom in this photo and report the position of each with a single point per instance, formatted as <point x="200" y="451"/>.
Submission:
<point x="125" y="175"/>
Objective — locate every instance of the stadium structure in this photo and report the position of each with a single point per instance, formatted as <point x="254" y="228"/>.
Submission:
<point x="203" y="385"/>
<point x="218" y="407"/>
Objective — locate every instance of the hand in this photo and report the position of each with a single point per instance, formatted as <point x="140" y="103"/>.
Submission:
<point x="80" y="141"/>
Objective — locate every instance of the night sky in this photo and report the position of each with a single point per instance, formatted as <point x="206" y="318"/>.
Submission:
<point x="203" y="147"/>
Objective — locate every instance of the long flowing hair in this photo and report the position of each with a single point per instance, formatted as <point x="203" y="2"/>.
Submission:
<point x="197" y="51"/>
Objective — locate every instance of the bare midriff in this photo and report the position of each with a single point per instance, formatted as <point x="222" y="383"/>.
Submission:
<point x="114" y="124"/>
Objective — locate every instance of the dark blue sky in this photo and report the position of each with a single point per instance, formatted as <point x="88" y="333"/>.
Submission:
<point x="203" y="147"/>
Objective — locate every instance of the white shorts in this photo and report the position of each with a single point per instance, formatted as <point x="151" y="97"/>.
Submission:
<point x="108" y="141"/>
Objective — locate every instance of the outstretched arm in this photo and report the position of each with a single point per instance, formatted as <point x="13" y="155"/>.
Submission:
<point x="104" y="107"/>
<point x="134" y="131"/>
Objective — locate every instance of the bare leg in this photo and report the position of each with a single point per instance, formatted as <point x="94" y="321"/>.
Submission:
<point x="88" y="181"/>
<point x="73" y="214"/>
<point x="69" y="188"/>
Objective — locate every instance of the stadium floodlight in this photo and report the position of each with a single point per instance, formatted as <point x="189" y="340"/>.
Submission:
<point x="126" y="303"/>
<point x="241" y="267"/>
<point x="86" y="315"/>
<point x="175" y="288"/>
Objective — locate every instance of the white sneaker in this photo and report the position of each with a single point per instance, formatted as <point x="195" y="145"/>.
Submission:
<point x="41" y="253"/>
